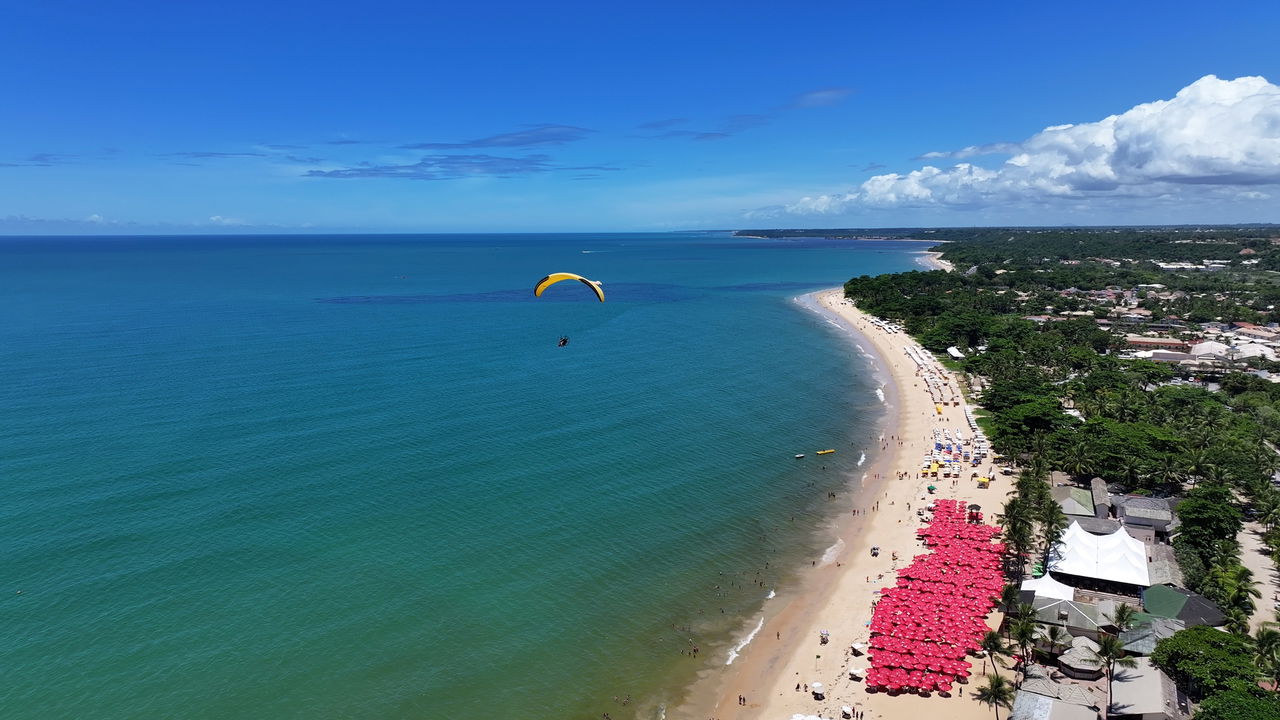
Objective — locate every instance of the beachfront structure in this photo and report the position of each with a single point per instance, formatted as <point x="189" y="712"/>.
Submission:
<point x="1080" y="502"/>
<point x="1081" y="660"/>
<point x="1046" y="587"/>
<point x="1141" y="342"/>
<point x="1042" y="698"/>
<point x="1189" y="608"/>
<point x="1143" y="693"/>
<point x="1136" y="511"/>
<point x="1141" y="639"/>
<point x="1079" y="619"/>
<point x="1115" y="561"/>
<point x="1030" y="705"/>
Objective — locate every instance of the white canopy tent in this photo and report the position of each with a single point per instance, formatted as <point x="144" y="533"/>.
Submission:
<point x="1047" y="587"/>
<point x="1116" y="557"/>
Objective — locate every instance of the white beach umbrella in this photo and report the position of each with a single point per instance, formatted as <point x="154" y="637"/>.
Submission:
<point x="816" y="687"/>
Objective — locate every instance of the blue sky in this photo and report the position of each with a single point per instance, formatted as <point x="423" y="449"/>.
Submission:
<point x="417" y="117"/>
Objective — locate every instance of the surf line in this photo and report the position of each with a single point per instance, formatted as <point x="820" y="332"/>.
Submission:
<point x="733" y="654"/>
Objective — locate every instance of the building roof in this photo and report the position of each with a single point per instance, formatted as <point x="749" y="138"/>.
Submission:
<point x="1098" y="488"/>
<point x="1083" y="655"/>
<point x="1191" y="608"/>
<point x="1210" y="347"/>
<point x="1116" y="557"/>
<point x="1068" y="613"/>
<point x="1142" y="690"/>
<point x="1032" y="706"/>
<point x="1097" y="526"/>
<point x="1074" y="500"/>
<point x="1041" y="684"/>
<point x="1147" y="508"/>
<point x="1046" y="587"/>
<point x="1148" y="630"/>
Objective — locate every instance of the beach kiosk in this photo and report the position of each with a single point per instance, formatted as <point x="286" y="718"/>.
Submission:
<point x="984" y="483"/>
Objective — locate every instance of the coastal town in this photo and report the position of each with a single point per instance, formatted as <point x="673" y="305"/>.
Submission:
<point x="1131" y="494"/>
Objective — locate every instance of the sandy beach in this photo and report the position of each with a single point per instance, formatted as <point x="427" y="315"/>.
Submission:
<point x="836" y="594"/>
<point x="934" y="261"/>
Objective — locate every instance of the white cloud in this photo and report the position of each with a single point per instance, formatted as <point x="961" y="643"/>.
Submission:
<point x="1213" y="134"/>
<point x="220" y="220"/>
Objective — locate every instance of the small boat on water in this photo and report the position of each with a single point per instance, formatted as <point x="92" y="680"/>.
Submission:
<point x="825" y="452"/>
<point x="799" y="455"/>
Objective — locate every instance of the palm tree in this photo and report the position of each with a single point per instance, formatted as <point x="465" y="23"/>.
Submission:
<point x="1109" y="656"/>
<point x="992" y="645"/>
<point x="1052" y="522"/>
<point x="1076" y="458"/>
<point x="996" y="693"/>
<point x="1016" y="517"/>
<point x="1122" y="618"/>
<point x="1009" y="597"/>
<point x="1231" y="585"/>
<point x="1024" y="634"/>
<point x="1056" y="636"/>
<point x="1196" y="463"/>
<point x="1266" y="648"/>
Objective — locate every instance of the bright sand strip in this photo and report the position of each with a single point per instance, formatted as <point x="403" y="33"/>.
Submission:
<point x="837" y="597"/>
<point x="934" y="261"/>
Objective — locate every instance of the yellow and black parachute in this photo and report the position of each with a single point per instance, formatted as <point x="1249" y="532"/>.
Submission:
<point x="554" y="278"/>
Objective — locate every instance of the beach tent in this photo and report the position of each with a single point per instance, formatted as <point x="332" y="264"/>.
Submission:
<point x="1116" y="557"/>
<point x="1047" y="587"/>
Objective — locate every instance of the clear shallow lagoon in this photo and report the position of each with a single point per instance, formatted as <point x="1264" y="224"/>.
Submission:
<point x="354" y="477"/>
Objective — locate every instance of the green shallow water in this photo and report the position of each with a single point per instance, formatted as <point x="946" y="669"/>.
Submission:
<point x="353" y="477"/>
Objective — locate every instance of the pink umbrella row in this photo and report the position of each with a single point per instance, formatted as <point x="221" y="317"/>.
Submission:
<point x="924" y="626"/>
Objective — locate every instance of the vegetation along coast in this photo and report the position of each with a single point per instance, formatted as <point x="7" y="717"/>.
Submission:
<point x="1127" y="383"/>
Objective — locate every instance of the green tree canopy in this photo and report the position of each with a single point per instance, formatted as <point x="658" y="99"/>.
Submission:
<point x="1205" y="661"/>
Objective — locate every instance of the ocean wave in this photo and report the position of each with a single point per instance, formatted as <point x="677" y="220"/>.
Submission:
<point x="832" y="553"/>
<point x="862" y="459"/>
<point x="733" y="654"/>
<point x="880" y="394"/>
<point x="772" y="594"/>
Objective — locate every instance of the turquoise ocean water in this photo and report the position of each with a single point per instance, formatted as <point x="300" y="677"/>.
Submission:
<point x="354" y="477"/>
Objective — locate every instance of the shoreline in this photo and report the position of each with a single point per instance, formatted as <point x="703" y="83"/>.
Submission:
<point x="933" y="261"/>
<point x="837" y="594"/>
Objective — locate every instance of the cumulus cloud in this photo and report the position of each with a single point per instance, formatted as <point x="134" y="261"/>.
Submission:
<point x="1213" y="134"/>
<point x="532" y="136"/>
<point x="972" y="151"/>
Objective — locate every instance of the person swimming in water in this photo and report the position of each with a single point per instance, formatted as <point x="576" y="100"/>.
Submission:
<point x="564" y="340"/>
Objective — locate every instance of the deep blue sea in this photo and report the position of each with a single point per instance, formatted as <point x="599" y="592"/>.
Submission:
<point x="354" y="477"/>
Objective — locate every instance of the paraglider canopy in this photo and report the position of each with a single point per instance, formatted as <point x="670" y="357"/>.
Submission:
<point x="554" y="278"/>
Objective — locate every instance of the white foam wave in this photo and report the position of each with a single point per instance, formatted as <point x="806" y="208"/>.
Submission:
<point x="862" y="459"/>
<point x="733" y="654"/>
<point x="832" y="553"/>
<point x="880" y="394"/>
<point x="771" y="595"/>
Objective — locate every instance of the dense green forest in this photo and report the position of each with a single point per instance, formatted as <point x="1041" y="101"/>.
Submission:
<point x="1031" y="245"/>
